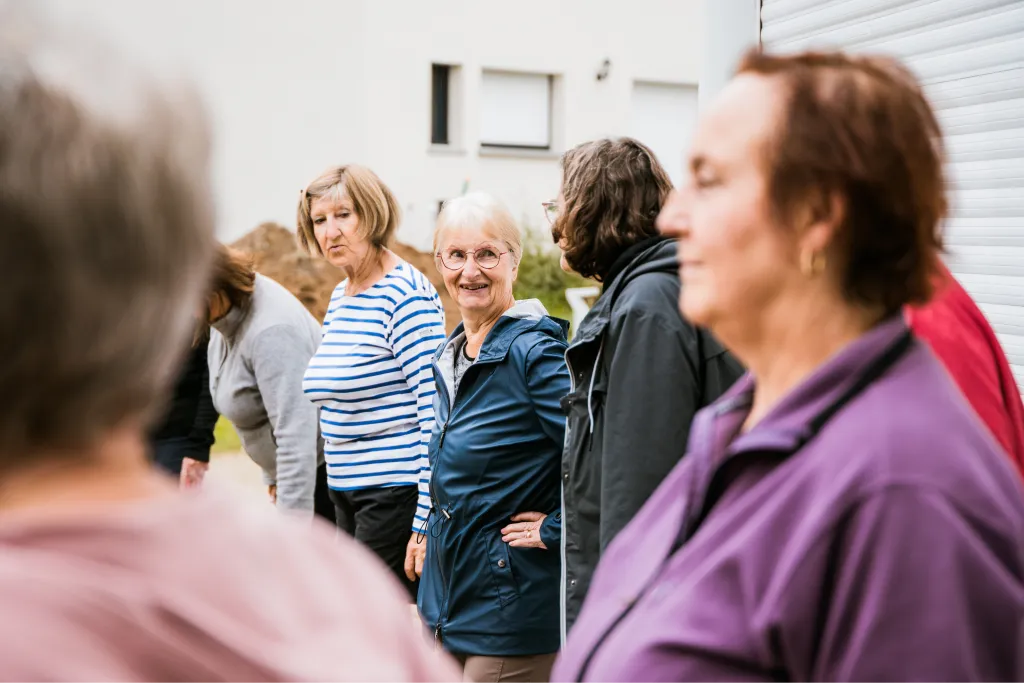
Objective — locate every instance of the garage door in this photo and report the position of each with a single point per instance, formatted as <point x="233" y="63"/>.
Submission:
<point x="970" y="56"/>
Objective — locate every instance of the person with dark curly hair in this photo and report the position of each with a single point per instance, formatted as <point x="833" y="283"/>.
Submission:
<point x="639" y="370"/>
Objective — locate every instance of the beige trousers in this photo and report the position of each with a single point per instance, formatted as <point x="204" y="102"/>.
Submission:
<point x="532" y="669"/>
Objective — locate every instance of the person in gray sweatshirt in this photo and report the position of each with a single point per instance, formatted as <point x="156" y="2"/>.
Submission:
<point x="261" y="341"/>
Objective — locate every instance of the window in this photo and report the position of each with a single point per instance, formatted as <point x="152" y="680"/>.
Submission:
<point x="440" y="81"/>
<point x="515" y="110"/>
<point x="663" y="117"/>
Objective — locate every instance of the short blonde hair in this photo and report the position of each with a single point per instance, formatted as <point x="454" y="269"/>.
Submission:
<point x="377" y="208"/>
<point x="480" y="210"/>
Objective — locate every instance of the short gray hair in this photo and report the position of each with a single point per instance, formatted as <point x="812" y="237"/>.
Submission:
<point x="480" y="210"/>
<point x="106" y="235"/>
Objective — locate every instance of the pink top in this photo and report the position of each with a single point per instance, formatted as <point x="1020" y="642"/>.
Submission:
<point x="199" y="587"/>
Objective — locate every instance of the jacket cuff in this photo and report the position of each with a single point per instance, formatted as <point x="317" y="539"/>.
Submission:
<point x="199" y="454"/>
<point x="551" y="529"/>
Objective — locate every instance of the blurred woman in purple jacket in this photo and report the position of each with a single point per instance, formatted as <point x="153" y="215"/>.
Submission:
<point x="842" y="513"/>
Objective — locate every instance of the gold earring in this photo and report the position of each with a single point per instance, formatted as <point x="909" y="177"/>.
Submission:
<point x="812" y="262"/>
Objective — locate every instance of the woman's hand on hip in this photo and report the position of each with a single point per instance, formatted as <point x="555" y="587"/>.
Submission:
<point x="524" y="532"/>
<point x="415" y="553"/>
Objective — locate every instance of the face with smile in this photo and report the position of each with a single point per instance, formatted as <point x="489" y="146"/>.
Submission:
<point x="478" y="271"/>
<point x="338" y="231"/>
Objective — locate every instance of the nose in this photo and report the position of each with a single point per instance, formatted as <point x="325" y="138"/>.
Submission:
<point x="674" y="219"/>
<point x="470" y="269"/>
<point x="332" y="228"/>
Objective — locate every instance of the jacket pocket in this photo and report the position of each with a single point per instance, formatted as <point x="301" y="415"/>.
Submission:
<point x="499" y="559"/>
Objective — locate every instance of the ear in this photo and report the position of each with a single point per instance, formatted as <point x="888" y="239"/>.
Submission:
<point x="821" y="222"/>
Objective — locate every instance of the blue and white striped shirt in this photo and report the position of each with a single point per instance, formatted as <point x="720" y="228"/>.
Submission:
<point x="373" y="381"/>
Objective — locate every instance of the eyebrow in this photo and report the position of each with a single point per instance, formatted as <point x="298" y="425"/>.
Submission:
<point x="334" y="207"/>
<point x="479" y="245"/>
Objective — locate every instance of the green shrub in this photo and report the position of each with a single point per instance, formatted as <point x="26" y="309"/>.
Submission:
<point x="541" y="276"/>
<point x="226" y="439"/>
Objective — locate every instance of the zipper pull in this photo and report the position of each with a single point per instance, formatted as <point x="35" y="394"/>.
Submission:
<point x="437" y="635"/>
<point x="440" y="442"/>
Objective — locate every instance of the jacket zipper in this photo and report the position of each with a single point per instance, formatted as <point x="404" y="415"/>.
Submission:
<point x="436" y="506"/>
<point x="563" y="589"/>
<point x="443" y="615"/>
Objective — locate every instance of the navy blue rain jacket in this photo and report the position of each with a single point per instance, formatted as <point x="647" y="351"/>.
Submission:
<point x="496" y="451"/>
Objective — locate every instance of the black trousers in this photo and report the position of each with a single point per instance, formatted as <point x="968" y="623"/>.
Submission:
<point x="323" y="506"/>
<point x="381" y="519"/>
<point x="169" y="454"/>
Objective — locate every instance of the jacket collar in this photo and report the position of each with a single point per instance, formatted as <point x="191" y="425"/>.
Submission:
<point x="627" y="256"/>
<point x="622" y="271"/>
<point x="789" y="422"/>
<point x="524" y="316"/>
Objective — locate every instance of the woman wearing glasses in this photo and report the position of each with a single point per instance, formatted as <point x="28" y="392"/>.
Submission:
<point x="371" y="375"/>
<point x="489" y="588"/>
<point x="640" y="371"/>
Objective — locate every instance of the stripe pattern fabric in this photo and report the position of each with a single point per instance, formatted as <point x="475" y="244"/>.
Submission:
<point x="372" y="380"/>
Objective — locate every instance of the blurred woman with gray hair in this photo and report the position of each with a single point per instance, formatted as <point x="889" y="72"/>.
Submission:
<point x="107" y="571"/>
<point x="490" y="580"/>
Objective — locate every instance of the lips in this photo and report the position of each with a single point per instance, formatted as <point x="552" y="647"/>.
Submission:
<point x="475" y="287"/>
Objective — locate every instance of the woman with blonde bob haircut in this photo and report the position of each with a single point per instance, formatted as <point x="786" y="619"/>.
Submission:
<point x="371" y="375"/>
<point x="490" y="581"/>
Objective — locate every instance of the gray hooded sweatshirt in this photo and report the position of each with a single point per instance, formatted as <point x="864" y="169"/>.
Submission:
<point x="258" y="355"/>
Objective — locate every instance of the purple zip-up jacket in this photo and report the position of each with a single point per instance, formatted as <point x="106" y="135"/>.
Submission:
<point x="889" y="547"/>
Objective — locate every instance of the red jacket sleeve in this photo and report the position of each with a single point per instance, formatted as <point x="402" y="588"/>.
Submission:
<point x="957" y="331"/>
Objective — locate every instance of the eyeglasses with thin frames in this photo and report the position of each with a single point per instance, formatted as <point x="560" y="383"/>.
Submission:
<point x="550" y="211"/>
<point x="485" y="257"/>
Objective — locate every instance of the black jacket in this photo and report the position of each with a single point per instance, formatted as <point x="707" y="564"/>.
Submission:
<point x="639" y="374"/>
<point x="188" y="423"/>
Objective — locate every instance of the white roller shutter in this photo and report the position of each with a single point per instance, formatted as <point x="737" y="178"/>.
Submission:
<point x="970" y="56"/>
<point x="515" y="110"/>
<point x="663" y="117"/>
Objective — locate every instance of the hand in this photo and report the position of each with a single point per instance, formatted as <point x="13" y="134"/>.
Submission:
<point x="525" y="532"/>
<point x="192" y="473"/>
<point x="272" y="492"/>
<point x="415" y="553"/>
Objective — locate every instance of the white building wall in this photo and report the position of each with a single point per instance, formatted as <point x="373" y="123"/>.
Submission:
<point x="299" y="85"/>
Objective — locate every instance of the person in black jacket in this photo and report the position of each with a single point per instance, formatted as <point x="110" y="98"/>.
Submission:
<point x="180" y="443"/>
<point x="639" y="371"/>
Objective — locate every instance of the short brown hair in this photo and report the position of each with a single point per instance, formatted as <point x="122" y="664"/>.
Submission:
<point x="374" y="204"/>
<point x="233" y="276"/>
<point x="860" y="127"/>
<point x="106" y="235"/>
<point x="613" y="191"/>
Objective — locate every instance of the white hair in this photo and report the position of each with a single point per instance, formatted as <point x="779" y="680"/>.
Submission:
<point x="482" y="211"/>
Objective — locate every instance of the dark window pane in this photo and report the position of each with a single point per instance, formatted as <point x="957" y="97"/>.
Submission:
<point x="439" y="104"/>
